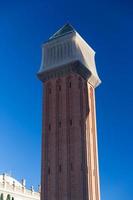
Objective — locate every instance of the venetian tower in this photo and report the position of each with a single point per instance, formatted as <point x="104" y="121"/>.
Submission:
<point x="69" y="136"/>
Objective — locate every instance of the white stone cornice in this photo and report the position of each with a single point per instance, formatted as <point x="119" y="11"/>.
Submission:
<point x="66" y="49"/>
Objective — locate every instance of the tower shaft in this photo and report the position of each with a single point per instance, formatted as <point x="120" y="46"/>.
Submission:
<point x="69" y="136"/>
<point x="69" y="149"/>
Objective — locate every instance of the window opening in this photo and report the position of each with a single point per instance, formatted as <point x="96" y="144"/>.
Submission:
<point x="71" y="166"/>
<point x="49" y="170"/>
<point x="59" y="123"/>
<point x="59" y="168"/>
<point x="59" y="87"/>
<point x="49" y="127"/>
<point x="49" y="90"/>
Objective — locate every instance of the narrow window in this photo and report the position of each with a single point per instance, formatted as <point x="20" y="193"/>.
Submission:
<point x="59" y="87"/>
<point x="71" y="122"/>
<point x="59" y="168"/>
<point x="71" y="167"/>
<point x="79" y="84"/>
<point x="49" y="170"/>
<point x="81" y="167"/>
<point x="59" y="123"/>
<point x="49" y="90"/>
<point x="70" y="84"/>
<point x="49" y="127"/>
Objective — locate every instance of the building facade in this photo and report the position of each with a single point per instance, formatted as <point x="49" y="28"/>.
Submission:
<point x="69" y="136"/>
<point x="11" y="189"/>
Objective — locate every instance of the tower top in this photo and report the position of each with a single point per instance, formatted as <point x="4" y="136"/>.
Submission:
<point x="66" y="29"/>
<point x="65" y="47"/>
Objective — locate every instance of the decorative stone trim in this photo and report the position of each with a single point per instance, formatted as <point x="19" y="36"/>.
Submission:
<point x="64" y="70"/>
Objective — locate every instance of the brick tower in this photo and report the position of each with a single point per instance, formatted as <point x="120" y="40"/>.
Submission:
<point x="69" y="136"/>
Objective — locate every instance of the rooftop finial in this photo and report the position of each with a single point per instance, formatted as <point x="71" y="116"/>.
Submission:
<point x="23" y="182"/>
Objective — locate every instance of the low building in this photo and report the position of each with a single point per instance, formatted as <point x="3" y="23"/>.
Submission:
<point x="11" y="189"/>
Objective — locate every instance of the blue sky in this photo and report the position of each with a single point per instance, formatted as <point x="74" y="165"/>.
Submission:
<point x="108" y="27"/>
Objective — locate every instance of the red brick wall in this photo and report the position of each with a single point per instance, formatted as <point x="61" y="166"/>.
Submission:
<point x="66" y="158"/>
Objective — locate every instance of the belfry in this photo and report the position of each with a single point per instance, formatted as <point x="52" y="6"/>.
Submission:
<point x="69" y="136"/>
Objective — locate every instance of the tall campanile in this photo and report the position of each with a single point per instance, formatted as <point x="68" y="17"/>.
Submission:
<point x="69" y="135"/>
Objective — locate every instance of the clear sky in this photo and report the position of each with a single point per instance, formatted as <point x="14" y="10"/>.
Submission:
<point x="107" y="25"/>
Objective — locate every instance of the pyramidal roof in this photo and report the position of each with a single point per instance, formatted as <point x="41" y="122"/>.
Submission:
<point x="67" y="28"/>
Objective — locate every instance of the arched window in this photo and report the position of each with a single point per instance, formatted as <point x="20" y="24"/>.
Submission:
<point x="8" y="197"/>
<point x="2" y="197"/>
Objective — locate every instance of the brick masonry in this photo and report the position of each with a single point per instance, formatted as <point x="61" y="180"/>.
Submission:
<point x="69" y="140"/>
